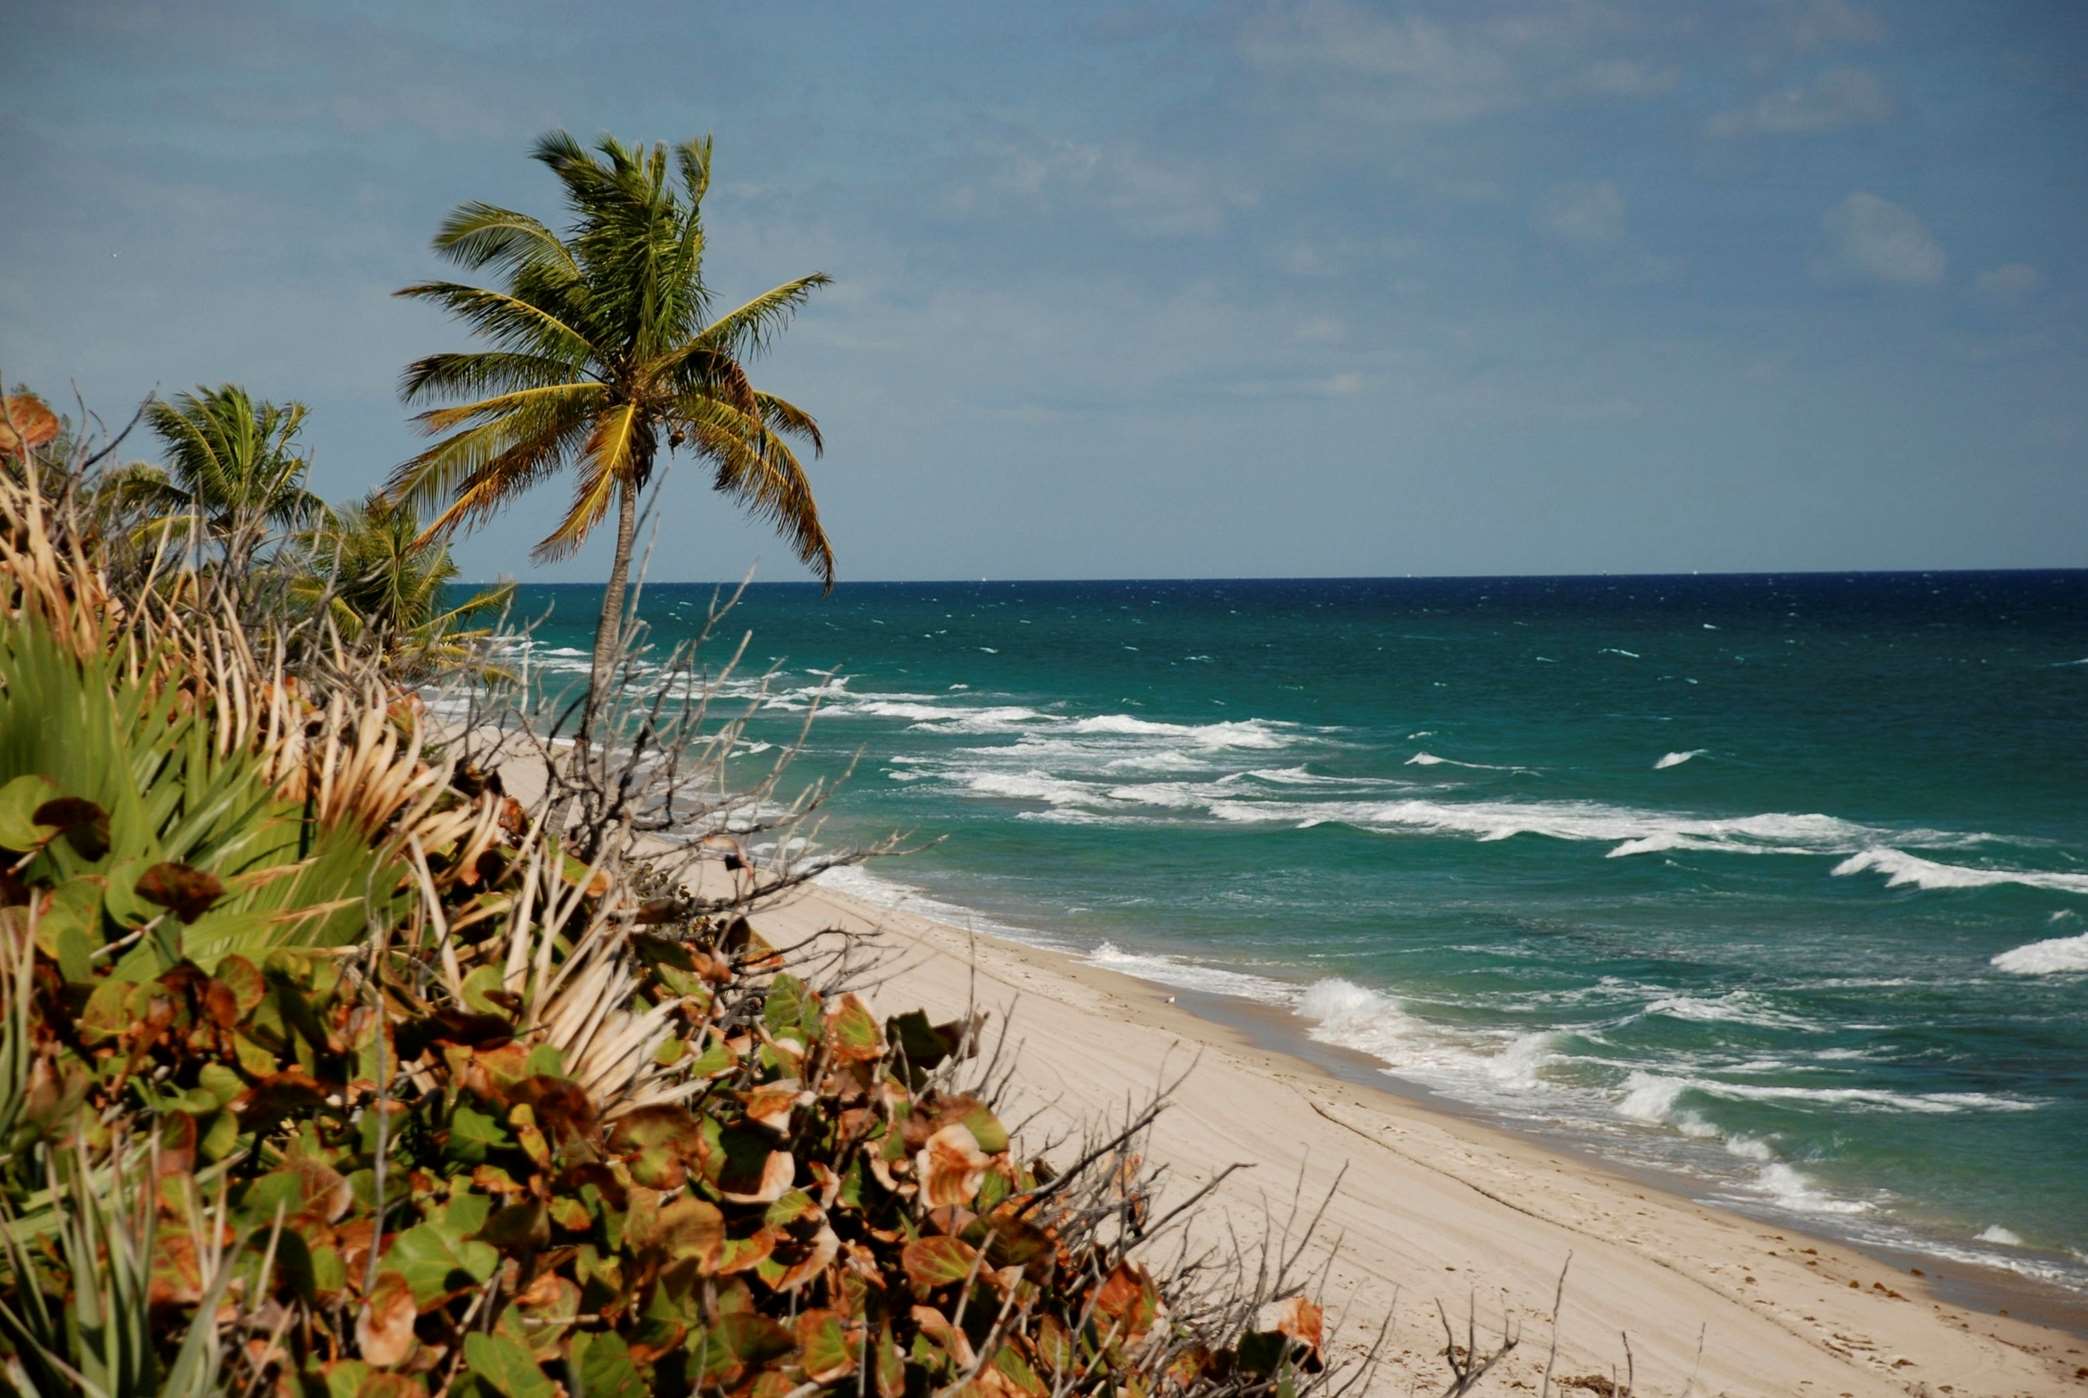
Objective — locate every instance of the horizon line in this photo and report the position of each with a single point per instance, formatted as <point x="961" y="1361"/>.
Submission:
<point x="1306" y="577"/>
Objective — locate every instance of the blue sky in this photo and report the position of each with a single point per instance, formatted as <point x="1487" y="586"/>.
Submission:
<point x="1166" y="290"/>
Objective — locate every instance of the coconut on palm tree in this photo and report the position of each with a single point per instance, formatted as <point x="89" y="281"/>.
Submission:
<point x="232" y="464"/>
<point x="606" y="346"/>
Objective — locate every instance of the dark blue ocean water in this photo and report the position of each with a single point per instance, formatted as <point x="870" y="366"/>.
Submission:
<point x="1778" y="882"/>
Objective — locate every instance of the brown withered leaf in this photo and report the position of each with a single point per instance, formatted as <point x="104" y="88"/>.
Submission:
<point x="950" y="1166"/>
<point x="795" y="1263"/>
<point x="1296" y="1317"/>
<point x="187" y="893"/>
<point x="271" y="1099"/>
<point x="25" y="423"/>
<point x="384" y="1330"/>
<point x="770" y="1105"/>
<point x="563" y="1109"/>
<point x="1127" y="1296"/>
<point x="84" y="825"/>
<point x="937" y="1328"/>
<point x="452" y="1026"/>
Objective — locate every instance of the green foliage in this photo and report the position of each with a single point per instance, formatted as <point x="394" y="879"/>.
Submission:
<point x="379" y="580"/>
<point x="284" y="1110"/>
<point x="160" y="844"/>
<point x="232" y="463"/>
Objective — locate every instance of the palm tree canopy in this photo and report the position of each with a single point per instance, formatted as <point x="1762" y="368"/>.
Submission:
<point x="369" y="568"/>
<point x="605" y="344"/>
<point x="232" y="461"/>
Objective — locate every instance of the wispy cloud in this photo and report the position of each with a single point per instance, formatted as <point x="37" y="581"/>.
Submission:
<point x="1588" y="214"/>
<point x="2011" y="281"/>
<point x="1873" y="239"/>
<point x="1145" y="195"/>
<point x="1836" y="98"/>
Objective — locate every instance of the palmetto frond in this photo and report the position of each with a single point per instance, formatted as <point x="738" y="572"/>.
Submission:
<point x="537" y="432"/>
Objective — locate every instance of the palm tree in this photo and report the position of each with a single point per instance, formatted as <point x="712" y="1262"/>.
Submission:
<point x="379" y="580"/>
<point x="606" y="347"/>
<point x="232" y="463"/>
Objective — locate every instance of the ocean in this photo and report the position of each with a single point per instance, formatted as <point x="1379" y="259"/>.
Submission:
<point x="1777" y="885"/>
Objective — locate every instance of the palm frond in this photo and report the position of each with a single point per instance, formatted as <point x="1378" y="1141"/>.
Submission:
<point x="755" y="467"/>
<point x="482" y="372"/>
<point x="749" y="330"/>
<point x="478" y="235"/>
<point x="614" y="454"/>
<point x="787" y="417"/>
<point x="508" y="321"/>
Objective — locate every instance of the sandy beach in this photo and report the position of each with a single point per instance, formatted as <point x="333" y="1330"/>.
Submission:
<point x="1436" y="1207"/>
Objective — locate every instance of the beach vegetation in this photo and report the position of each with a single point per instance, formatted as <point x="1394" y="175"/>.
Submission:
<point x="328" y="1065"/>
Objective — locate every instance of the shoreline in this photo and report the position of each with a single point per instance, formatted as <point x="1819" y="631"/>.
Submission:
<point x="1781" y="1310"/>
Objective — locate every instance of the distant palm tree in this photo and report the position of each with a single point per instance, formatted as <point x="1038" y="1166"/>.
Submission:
<point x="231" y="463"/>
<point x="378" y="580"/>
<point x="606" y="347"/>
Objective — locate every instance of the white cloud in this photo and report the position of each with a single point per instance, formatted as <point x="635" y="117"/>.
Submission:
<point x="1818" y="24"/>
<point x="1837" y="97"/>
<point x="1148" y="196"/>
<point x="1320" y="330"/>
<point x="2008" y="282"/>
<point x="1585" y="214"/>
<point x="1412" y="69"/>
<point x="1623" y="77"/>
<point x="1873" y="239"/>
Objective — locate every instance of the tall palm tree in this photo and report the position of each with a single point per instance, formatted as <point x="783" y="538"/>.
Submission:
<point x="606" y="346"/>
<point x="231" y="462"/>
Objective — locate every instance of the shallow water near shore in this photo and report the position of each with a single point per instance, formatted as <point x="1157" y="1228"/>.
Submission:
<point x="1779" y="882"/>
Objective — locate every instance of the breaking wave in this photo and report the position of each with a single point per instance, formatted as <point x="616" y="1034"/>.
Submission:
<point x="1902" y="869"/>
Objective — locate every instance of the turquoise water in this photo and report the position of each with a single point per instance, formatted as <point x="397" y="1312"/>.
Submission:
<point x="1778" y="882"/>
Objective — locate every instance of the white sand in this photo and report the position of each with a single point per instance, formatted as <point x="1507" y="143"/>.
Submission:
<point x="1435" y="1206"/>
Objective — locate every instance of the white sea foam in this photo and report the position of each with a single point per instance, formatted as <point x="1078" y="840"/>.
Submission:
<point x="1613" y="650"/>
<point x="1356" y="1017"/>
<point x="1239" y="733"/>
<point x="1189" y="975"/>
<point x="1734" y="1007"/>
<point x="1790" y="1189"/>
<point x="1676" y="759"/>
<point x="1655" y="1098"/>
<point x="1901" y="869"/>
<point x="1429" y="759"/>
<point x="2054" y="957"/>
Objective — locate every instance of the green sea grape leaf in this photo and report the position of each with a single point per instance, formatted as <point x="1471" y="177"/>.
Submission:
<point x="435" y="1263"/>
<point x="601" y="1367"/>
<point x="506" y="1366"/>
<point x="792" y="1011"/>
<point x="19" y="801"/>
<point x="472" y="1134"/>
<point x="938" y="1261"/>
<point x="823" y="1349"/>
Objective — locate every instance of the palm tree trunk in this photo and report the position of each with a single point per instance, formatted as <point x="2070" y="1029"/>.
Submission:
<point x="609" y="630"/>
